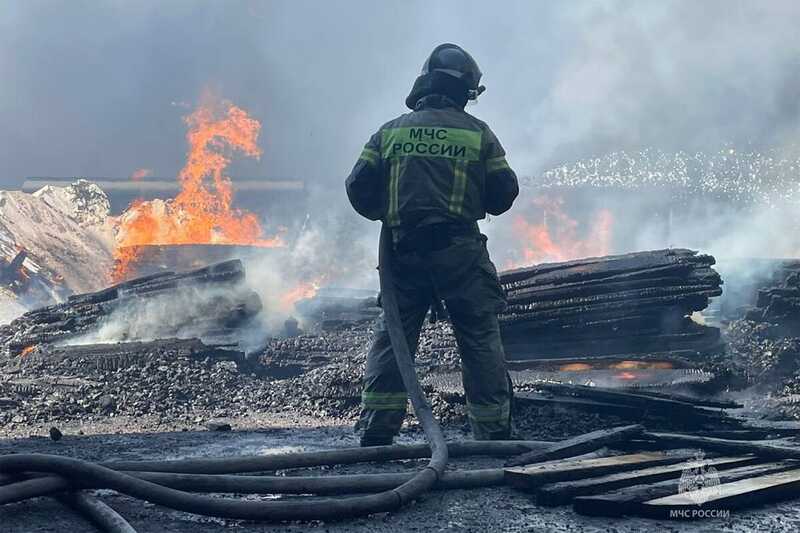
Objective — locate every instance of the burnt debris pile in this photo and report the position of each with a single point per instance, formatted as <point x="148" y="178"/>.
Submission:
<point x="779" y="304"/>
<point x="633" y="304"/>
<point x="207" y="303"/>
<point x="334" y="308"/>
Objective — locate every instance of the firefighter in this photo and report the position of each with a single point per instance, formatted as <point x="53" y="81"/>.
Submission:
<point x="429" y="176"/>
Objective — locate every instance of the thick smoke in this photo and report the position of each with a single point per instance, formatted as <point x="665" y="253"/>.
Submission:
<point x="102" y="94"/>
<point x="188" y="312"/>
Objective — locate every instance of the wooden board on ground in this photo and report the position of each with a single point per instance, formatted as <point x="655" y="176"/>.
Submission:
<point x="767" y="451"/>
<point x="725" y="497"/>
<point x="780" y="427"/>
<point x="699" y="402"/>
<point x="634" y="399"/>
<point x="581" y="404"/>
<point x="588" y="442"/>
<point x="532" y="476"/>
<point x="562" y="493"/>
<point x="627" y="501"/>
<point x="736" y="434"/>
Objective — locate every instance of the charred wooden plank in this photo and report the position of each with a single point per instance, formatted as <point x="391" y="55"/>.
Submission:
<point x="780" y="427"/>
<point x="564" y="492"/>
<point x="627" y="501"/>
<point x="742" y="494"/>
<point x="579" y="445"/>
<point x="767" y="451"/>
<point x="589" y="329"/>
<point x="512" y="322"/>
<point x="580" y="404"/>
<point x="533" y="301"/>
<point x="700" y="402"/>
<point x="606" y="268"/>
<point x="596" y="266"/>
<point x="697" y="341"/>
<point x="737" y="434"/>
<point x="642" y="401"/>
<point x="686" y="302"/>
<point x="609" y="407"/>
<point x="641" y="298"/>
<point x="532" y="476"/>
<point x="672" y="274"/>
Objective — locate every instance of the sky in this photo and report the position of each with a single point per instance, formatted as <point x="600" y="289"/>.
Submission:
<point x="98" y="88"/>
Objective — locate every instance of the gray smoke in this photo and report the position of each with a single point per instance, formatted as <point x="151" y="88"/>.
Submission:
<point x="99" y="89"/>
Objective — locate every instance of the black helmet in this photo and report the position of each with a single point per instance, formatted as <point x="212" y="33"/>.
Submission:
<point x="454" y="61"/>
<point x="449" y="70"/>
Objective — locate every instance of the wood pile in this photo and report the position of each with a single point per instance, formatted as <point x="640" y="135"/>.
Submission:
<point x="209" y="312"/>
<point x="638" y="303"/>
<point x="779" y="304"/>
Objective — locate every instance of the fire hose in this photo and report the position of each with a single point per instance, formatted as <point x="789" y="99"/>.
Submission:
<point x="166" y="482"/>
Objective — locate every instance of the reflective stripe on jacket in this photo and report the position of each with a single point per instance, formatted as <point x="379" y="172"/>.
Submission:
<point x="437" y="161"/>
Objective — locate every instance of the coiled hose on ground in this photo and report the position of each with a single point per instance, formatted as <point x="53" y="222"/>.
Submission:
<point x="143" y="480"/>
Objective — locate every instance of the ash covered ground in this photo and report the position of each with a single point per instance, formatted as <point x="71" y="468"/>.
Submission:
<point x="184" y="391"/>
<point x="473" y="511"/>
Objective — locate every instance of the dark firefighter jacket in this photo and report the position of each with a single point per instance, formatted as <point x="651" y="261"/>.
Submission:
<point x="435" y="164"/>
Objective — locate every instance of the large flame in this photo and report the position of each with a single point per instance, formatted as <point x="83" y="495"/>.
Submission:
<point x="556" y="237"/>
<point x="202" y="212"/>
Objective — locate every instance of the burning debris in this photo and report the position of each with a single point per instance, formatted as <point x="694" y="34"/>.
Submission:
<point x="208" y="303"/>
<point x="628" y="305"/>
<point x="202" y="212"/>
<point x="556" y="237"/>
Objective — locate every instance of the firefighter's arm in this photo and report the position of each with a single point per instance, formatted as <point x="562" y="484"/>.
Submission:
<point x="365" y="187"/>
<point x="502" y="187"/>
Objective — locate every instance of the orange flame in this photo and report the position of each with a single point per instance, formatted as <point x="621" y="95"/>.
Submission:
<point x="303" y="290"/>
<point x="26" y="351"/>
<point x="141" y="173"/>
<point x="575" y="367"/>
<point x="626" y="369"/>
<point x="556" y="238"/>
<point x="202" y="212"/>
